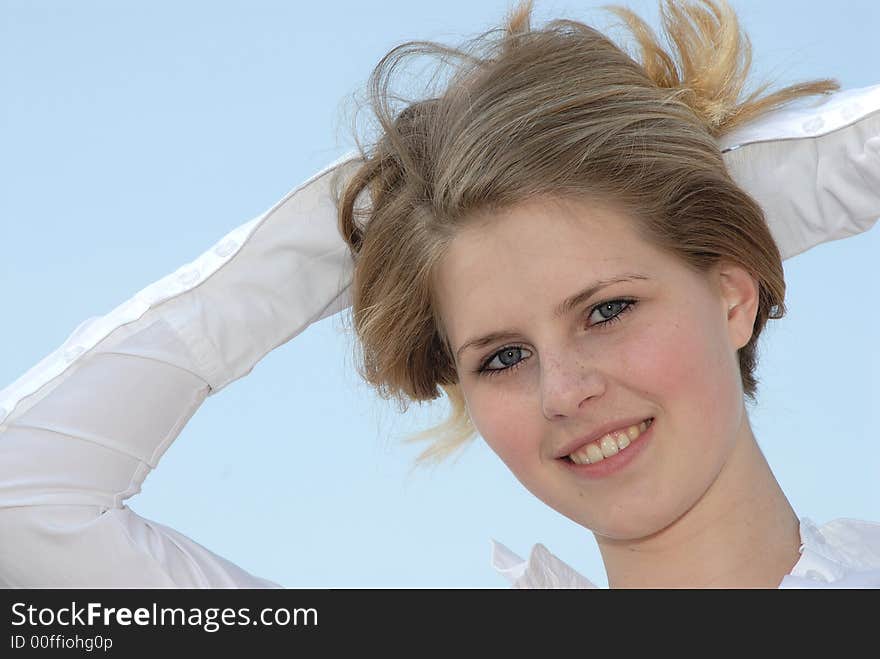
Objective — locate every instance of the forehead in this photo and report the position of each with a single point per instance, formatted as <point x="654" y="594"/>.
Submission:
<point x="551" y="223"/>
<point x="524" y="260"/>
<point x="539" y="241"/>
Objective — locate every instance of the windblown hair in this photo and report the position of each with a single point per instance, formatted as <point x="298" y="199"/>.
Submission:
<point x="560" y="111"/>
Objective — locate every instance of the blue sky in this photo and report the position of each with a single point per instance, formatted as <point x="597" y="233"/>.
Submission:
<point x="134" y="135"/>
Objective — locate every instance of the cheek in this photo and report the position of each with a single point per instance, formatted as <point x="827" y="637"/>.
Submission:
<point x="681" y="363"/>
<point x="503" y="421"/>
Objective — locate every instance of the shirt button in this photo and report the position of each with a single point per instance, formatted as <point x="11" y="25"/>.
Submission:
<point x="226" y="248"/>
<point x="72" y="353"/>
<point x="188" y="277"/>
<point x="813" y="125"/>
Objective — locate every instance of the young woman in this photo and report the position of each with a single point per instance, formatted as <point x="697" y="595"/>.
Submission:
<point x="580" y="250"/>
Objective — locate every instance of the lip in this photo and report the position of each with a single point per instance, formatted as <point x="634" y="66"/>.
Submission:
<point x="617" y="461"/>
<point x="599" y="433"/>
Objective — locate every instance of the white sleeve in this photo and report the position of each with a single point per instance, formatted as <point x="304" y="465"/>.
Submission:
<point x="815" y="171"/>
<point x="80" y="431"/>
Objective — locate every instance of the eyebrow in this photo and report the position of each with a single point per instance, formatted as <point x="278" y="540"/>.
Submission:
<point x="565" y="307"/>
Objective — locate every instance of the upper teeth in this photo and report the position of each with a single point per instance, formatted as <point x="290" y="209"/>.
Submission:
<point x="609" y="444"/>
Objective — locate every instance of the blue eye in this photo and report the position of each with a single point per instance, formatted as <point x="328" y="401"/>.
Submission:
<point x="609" y="311"/>
<point x="501" y="355"/>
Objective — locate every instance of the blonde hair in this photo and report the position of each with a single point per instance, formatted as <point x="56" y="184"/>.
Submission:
<point x="564" y="111"/>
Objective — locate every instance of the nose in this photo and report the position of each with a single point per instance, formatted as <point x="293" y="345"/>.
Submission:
<point x="567" y="382"/>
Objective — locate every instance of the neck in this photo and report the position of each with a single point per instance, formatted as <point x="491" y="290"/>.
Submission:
<point x="742" y="533"/>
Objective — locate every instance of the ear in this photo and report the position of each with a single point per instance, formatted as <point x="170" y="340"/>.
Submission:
<point x="739" y="295"/>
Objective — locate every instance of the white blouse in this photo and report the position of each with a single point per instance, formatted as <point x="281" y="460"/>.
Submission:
<point x="844" y="553"/>
<point x="82" y="429"/>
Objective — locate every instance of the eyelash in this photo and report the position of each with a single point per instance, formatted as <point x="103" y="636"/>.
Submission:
<point x="483" y="371"/>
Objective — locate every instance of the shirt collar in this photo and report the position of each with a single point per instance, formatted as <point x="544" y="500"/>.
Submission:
<point x="844" y="553"/>
<point x="541" y="570"/>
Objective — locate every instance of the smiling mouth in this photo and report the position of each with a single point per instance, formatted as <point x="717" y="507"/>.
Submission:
<point x="611" y="444"/>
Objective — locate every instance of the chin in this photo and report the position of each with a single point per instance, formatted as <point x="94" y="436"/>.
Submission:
<point x="627" y="523"/>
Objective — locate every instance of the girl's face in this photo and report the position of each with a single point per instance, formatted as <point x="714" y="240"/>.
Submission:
<point x="666" y="349"/>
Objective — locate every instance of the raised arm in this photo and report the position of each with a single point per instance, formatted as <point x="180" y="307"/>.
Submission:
<point x="81" y="430"/>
